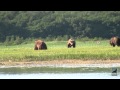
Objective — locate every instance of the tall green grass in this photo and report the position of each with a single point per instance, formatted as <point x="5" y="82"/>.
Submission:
<point x="57" y="50"/>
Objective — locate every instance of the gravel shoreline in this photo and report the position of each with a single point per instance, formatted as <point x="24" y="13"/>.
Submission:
<point x="63" y="63"/>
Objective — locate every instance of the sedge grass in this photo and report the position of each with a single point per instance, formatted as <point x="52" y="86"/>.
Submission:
<point x="57" y="50"/>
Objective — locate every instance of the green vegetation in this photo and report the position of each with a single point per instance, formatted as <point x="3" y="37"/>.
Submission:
<point x="19" y="29"/>
<point x="57" y="50"/>
<point x="56" y="25"/>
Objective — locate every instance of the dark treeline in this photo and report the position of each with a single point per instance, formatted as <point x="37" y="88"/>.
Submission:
<point x="54" y="24"/>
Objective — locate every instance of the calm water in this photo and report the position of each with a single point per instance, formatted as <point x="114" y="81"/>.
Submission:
<point x="57" y="73"/>
<point x="60" y="76"/>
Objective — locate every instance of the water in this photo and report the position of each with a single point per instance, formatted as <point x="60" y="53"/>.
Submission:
<point x="60" y="76"/>
<point x="58" y="73"/>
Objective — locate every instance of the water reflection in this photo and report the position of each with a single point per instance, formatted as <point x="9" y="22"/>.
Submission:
<point x="60" y="76"/>
<point x="57" y="73"/>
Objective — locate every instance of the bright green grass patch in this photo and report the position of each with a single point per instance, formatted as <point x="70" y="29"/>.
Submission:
<point x="57" y="50"/>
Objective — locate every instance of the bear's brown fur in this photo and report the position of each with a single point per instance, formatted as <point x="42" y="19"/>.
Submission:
<point x="40" y="45"/>
<point x="115" y="41"/>
<point x="71" y="43"/>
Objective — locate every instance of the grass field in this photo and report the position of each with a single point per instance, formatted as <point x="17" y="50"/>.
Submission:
<point x="57" y="50"/>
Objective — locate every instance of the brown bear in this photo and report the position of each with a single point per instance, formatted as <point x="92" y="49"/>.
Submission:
<point x="115" y="41"/>
<point x="71" y="43"/>
<point x="40" y="45"/>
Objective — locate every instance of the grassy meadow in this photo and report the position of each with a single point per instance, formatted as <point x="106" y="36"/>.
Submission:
<point x="57" y="50"/>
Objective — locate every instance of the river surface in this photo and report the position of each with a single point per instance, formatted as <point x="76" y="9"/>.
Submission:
<point x="58" y="73"/>
<point x="60" y="76"/>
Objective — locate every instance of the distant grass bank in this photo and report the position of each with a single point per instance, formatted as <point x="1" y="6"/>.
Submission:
<point x="57" y="50"/>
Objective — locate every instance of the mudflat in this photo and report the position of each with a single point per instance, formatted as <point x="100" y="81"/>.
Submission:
<point x="63" y="63"/>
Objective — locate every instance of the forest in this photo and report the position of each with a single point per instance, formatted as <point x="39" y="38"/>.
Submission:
<point x="21" y="25"/>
